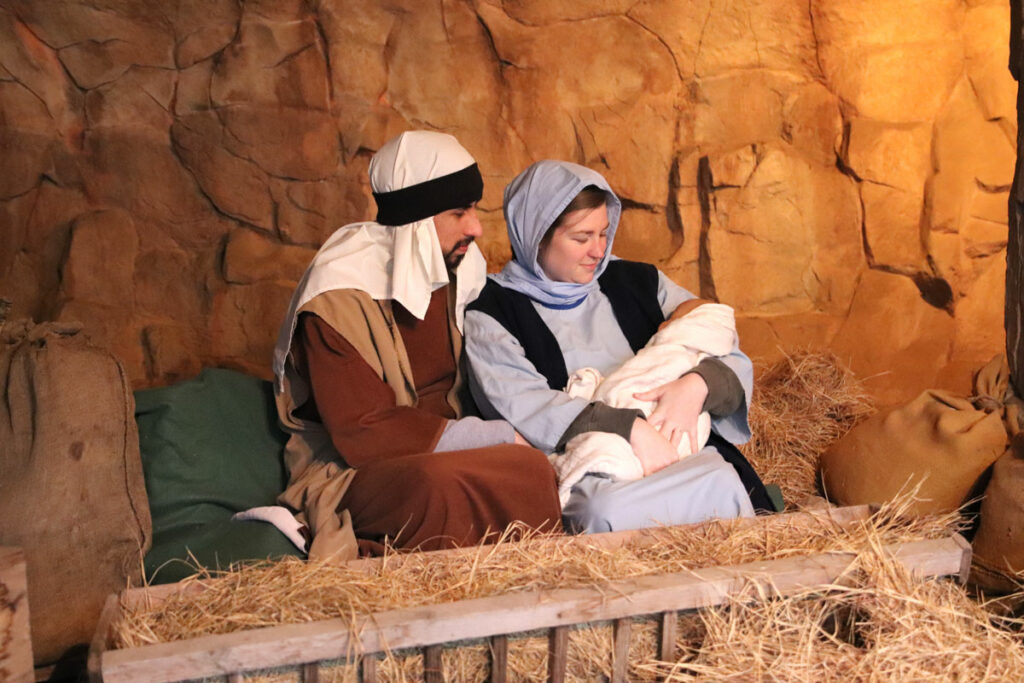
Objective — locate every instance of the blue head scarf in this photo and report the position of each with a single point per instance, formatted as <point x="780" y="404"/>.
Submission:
<point x="533" y="200"/>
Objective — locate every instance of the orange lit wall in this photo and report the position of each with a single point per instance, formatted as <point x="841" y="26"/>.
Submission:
<point x="836" y="170"/>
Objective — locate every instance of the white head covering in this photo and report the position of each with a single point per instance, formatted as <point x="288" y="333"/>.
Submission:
<point x="533" y="200"/>
<point x="399" y="262"/>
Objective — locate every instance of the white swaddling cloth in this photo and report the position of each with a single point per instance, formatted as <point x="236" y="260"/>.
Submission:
<point x="708" y="330"/>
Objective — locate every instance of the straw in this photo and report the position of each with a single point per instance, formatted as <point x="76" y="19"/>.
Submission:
<point x="888" y="626"/>
<point x="800" y="406"/>
<point x="291" y="591"/>
<point x="882" y="624"/>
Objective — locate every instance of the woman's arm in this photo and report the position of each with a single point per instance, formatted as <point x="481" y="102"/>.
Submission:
<point x="506" y="385"/>
<point x="733" y="425"/>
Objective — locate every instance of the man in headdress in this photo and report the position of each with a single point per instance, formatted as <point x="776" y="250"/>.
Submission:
<point x="368" y="379"/>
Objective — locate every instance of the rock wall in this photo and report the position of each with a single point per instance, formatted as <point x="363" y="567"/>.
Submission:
<point x="837" y="170"/>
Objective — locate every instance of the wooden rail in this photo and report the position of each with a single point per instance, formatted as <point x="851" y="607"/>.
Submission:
<point x="637" y="538"/>
<point x="304" y="645"/>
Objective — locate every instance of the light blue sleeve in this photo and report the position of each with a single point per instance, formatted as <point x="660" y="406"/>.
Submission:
<point x="505" y="385"/>
<point x="733" y="428"/>
<point x="670" y="295"/>
<point x="472" y="432"/>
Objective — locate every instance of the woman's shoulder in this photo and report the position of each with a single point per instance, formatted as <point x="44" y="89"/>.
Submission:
<point x="644" y="278"/>
<point x="631" y="271"/>
<point x="503" y="304"/>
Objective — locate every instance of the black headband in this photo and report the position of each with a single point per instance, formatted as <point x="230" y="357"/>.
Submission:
<point x="429" y="198"/>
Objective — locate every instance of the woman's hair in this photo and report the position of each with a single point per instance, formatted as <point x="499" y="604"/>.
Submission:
<point x="590" y="197"/>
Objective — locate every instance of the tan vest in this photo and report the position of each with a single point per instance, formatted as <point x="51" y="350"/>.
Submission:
<point x="319" y="477"/>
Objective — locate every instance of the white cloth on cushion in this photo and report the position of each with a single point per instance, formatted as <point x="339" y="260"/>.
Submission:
<point x="280" y="517"/>
<point x="708" y="330"/>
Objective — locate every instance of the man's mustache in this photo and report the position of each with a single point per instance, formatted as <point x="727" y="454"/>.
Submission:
<point x="464" y="242"/>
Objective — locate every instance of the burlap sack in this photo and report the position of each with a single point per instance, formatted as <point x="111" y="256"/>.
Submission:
<point x="71" y="487"/>
<point x="938" y="443"/>
<point x="999" y="542"/>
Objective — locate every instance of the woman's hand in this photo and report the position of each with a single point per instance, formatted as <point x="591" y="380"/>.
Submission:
<point x="652" y="449"/>
<point x="679" y="404"/>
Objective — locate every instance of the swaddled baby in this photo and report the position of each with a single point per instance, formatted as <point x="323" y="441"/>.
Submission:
<point x="707" y="330"/>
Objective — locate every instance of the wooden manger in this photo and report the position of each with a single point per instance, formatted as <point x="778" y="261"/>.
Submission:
<point x="302" y="647"/>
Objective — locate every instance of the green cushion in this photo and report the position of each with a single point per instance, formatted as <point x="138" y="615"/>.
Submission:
<point x="214" y="545"/>
<point x="211" y="447"/>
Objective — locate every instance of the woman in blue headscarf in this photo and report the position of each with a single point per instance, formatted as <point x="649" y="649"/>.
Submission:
<point x="565" y="303"/>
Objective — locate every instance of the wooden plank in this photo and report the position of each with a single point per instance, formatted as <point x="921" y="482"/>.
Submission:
<point x="965" y="561"/>
<point x="311" y="672"/>
<point x="368" y="668"/>
<point x="511" y="613"/>
<point x="499" y="659"/>
<point x="667" y="636"/>
<point x="620" y="650"/>
<point x="433" y="667"/>
<point x="15" y="634"/>
<point x="101" y="638"/>
<point x="558" y="653"/>
<point x="1013" y="311"/>
<point x="154" y="595"/>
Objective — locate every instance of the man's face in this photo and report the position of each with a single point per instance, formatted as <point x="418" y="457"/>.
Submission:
<point x="456" y="230"/>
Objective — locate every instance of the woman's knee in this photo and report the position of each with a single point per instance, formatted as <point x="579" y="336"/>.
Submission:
<point x="726" y="487"/>
<point x="590" y="507"/>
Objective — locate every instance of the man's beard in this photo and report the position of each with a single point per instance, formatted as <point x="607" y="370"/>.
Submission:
<point x="451" y="259"/>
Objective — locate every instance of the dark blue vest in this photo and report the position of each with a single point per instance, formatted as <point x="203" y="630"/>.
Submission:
<point x="631" y="288"/>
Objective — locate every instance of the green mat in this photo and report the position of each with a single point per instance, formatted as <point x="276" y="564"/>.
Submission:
<point x="211" y="447"/>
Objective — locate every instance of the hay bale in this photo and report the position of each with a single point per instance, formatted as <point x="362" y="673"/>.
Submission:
<point x="293" y="591"/>
<point x="801" y="404"/>
<point x="887" y="626"/>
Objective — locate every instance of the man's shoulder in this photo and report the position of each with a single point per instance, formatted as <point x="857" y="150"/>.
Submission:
<point x="344" y="308"/>
<point x="349" y="296"/>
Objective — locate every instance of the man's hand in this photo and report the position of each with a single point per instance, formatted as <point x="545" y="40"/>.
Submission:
<point x="650" y="447"/>
<point x="519" y="440"/>
<point x="679" y="404"/>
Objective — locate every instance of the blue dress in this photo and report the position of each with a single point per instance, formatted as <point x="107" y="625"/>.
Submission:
<point x="505" y="384"/>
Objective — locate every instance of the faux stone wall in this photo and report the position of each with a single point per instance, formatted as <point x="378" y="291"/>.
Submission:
<point x="837" y="170"/>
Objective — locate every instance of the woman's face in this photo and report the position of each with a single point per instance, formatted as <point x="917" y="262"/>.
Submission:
<point x="576" y="246"/>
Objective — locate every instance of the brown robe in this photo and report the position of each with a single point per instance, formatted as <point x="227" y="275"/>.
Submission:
<point x="403" y="491"/>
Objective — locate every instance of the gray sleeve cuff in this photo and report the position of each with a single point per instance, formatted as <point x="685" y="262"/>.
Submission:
<point x="725" y="393"/>
<point x="601" y="417"/>
<point x="472" y="432"/>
